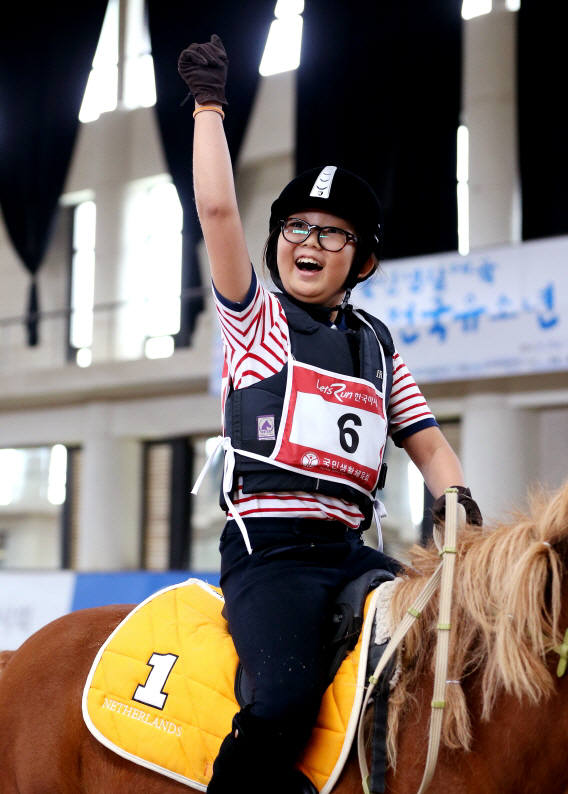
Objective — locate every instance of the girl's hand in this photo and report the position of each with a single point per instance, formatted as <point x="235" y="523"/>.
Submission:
<point x="472" y="511"/>
<point x="203" y="67"/>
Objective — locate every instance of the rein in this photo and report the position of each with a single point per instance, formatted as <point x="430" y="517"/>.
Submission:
<point x="443" y="574"/>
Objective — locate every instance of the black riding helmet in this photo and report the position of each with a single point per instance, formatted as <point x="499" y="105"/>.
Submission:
<point x="339" y="192"/>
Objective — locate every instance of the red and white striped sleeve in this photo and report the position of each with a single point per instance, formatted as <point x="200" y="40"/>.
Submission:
<point x="408" y="411"/>
<point x="255" y="335"/>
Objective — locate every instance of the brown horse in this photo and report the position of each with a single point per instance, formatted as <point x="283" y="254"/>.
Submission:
<point x="507" y="718"/>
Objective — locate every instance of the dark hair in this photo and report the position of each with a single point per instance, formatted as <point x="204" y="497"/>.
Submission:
<point x="269" y="256"/>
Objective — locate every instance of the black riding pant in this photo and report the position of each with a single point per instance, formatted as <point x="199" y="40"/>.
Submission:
<point x="279" y="602"/>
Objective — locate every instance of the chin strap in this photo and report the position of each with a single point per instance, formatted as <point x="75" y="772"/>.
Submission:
<point x="341" y="307"/>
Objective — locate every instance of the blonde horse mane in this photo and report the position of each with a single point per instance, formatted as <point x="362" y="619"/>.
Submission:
<point x="505" y="615"/>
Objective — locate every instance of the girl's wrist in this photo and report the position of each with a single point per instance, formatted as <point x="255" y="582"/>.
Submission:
<point x="209" y="107"/>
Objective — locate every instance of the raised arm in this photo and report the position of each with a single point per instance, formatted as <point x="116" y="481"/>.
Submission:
<point x="204" y="69"/>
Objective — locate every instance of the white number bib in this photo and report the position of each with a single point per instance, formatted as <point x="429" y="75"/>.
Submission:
<point x="333" y="426"/>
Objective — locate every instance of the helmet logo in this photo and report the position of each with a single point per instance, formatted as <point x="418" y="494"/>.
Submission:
<point x="322" y="185"/>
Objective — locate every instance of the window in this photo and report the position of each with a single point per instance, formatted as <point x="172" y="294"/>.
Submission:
<point x="207" y="518"/>
<point x="166" y="538"/>
<point x="161" y="268"/>
<point x="57" y="475"/>
<point x="415" y="493"/>
<point x="139" y="88"/>
<point x="180" y="530"/>
<point x="11" y="475"/>
<point x="33" y="495"/>
<point x="284" y="42"/>
<point x="123" y="70"/>
<point x="70" y="520"/>
<point x="155" y="221"/>
<point x="476" y="8"/>
<point x="82" y="292"/>
<point x="157" y="506"/>
<point x="101" y="93"/>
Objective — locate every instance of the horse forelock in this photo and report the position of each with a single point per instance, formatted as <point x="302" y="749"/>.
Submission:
<point x="505" y="615"/>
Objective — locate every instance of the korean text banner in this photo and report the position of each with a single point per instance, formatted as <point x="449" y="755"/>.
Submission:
<point x="497" y="312"/>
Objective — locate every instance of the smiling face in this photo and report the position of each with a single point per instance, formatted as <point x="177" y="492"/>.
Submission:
<point x="310" y="273"/>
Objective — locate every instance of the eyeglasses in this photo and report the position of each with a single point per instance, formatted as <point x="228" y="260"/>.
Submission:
<point x="295" y="230"/>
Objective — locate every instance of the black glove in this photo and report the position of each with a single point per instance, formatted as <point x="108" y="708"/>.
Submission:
<point x="472" y="511"/>
<point x="203" y="67"/>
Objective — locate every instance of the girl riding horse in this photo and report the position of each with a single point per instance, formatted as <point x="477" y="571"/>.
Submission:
<point x="312" y="387"/>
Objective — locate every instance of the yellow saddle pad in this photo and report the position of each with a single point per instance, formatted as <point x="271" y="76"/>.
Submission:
<point x="161" y="689"/>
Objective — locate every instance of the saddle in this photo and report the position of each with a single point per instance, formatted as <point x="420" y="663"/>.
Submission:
<point x="165" y="686"/>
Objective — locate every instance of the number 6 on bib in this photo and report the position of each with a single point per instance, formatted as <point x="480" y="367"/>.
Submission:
<point x="333" y="427"/>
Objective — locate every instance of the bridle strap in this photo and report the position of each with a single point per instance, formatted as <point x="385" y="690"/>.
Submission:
<point x="448" y="552"/>
<point x="444" y="573"/>
<point x="412" y="614"/>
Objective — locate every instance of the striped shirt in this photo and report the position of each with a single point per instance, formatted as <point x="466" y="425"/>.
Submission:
<point x="257" y="345"/>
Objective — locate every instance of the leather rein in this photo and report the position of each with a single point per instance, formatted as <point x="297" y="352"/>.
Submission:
<point x="443" y="576"/>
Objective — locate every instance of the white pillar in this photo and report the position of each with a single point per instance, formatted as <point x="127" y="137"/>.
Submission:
<point x="553" y="443"/>
<point x="109" y="509"/>
<point x="489" y="112"/>
<point x="499" y="453"/>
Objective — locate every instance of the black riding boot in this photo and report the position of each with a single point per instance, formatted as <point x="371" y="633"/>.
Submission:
<point x="253" y="759"/>
<point x="299" y="784"/>
<point x="229" y="766"/>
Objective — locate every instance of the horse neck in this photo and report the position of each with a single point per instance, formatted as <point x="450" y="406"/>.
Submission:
<point x="521" y="745"/>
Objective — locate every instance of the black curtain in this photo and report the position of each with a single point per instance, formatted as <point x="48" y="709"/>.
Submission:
<point x="243" y="27"/>
<point x="46" y="51"/>
<point x="379" y="90"/>
<point x="542" y="125"/>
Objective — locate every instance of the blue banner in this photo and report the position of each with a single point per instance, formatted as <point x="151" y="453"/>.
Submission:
<point x="497" y="312"/>
<point x="29" y="600"/>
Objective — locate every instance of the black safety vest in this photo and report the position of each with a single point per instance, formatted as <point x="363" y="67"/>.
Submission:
<point x="355" y="352"/>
